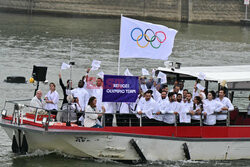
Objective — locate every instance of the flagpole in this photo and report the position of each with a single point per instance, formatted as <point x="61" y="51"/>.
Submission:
<point x="71" y="66"/>
<point x="119" y="59"/>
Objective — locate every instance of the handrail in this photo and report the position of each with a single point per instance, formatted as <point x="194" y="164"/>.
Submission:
<point x="18" y="115"/>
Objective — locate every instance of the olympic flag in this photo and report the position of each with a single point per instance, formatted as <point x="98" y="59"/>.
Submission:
<point x="140" y="39"/>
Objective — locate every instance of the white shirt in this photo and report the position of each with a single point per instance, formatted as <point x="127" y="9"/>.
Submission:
<point x="170" y="116"/>
<point x="163" y="104"/>
<point x="82" y="95"/>
<point x="35" y="102"/>
<point x="196" y="117"/>
<point x="147" y="107"/>
<point x="110" y="107"/>
<point x="195" y="93"/>
<point x="54" y="97"/>
<point x="183" y="115"/>
<point x="226" y="103"/>
<point x="90" y="118"/>
<point x="96" y="92"/>
<point x="135" y="104"/>
<point x="125" y="108"/>
<point x="156" y="94"/>
<point x="210" y="107"/>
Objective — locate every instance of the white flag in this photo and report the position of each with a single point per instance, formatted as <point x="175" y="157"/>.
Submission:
<point x="200" y="87"/>
<point x="201" y="76"/>
<point x="163" y="77"/>
<point x="144" y="71"/>
<point x="127" y="73"/>
<point x="95" y="65"/>
<point x="101" y="74"/>
<point x="65" y="66"/>
<point x="140" y="39"/>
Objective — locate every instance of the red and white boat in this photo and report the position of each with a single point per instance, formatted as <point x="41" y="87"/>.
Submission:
<point x="153" y="143"/>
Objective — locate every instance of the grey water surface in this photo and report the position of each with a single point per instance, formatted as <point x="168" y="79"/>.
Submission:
<point x="45" y="40"/>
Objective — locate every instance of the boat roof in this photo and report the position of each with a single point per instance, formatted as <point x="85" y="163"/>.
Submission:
<point x="235" y="73"/>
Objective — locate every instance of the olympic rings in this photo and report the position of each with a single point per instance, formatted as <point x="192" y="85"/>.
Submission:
<point x="152" y="40"/>
<point x="131" y="34"/>
<point x="147" y="38"/>
<point x="165" y="37"/>
<point x="140" y="36"/>
<point x="156" y="47"/>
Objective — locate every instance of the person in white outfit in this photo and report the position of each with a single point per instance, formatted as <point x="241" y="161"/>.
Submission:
<point x="156" y="94"/>
<point x="95" y="90"/>
<point x="195" y="90"/>
<point x="185" y="112"/>
<point x="110" y="108"/>
<point x="179" y="98"/>
<point x="171" y="111"/>
<point x="52" y="99"/>
<point x="176" y="89"/>
<point x="184" y="95"/>
<point x="91" y="114"/>
<point x="221" y="116"/>
<point x="202" y="96"/>
<point x="38" y="102"/>
<point x="82" y="94"/>
<point x="126" y="114"/>
<point x="197" y="111"/>
<point x="83" y="97"/>
<point x="163" y="103"/>
<point x="146" y="108"/>
<point x="211" y="106"/>
<point x="181" y="83"/>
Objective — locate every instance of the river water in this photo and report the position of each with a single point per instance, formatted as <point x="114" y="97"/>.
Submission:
<point x="42" y="40"/>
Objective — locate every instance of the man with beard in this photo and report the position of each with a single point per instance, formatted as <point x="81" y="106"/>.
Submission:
<point x="146" y="108"/>
<point x="163" y="104"/>
<point x="171" y="110"/>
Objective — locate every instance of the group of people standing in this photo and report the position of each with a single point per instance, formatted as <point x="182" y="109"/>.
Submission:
<point x="155" y="105"/>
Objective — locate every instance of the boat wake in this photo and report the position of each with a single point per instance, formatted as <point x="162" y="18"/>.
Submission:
<point x="46" y="156"/>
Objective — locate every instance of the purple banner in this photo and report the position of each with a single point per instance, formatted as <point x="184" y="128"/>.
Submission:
<point x="118" y="88"/>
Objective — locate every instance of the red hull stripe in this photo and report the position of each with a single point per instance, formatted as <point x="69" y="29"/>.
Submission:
<point x="168" y="131"/>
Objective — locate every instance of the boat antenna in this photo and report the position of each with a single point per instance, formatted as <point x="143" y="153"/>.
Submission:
<point x="71" y="63"/>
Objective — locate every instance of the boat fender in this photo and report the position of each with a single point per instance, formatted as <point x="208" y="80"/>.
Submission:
<point x="14" y="146"/>
<point x="138" y="150"/>
<point x="15" y="79"/>
<point x="24" y="148"/>
<point x="186" y="151"/>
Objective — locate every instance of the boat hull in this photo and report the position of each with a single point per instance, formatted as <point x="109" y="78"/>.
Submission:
<point x="117" y="146"/>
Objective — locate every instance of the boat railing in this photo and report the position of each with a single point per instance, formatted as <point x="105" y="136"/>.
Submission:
<point x="122" y="119"/>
